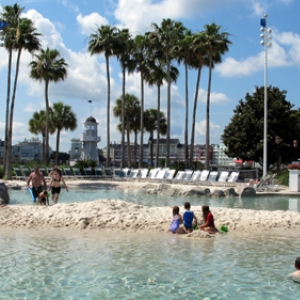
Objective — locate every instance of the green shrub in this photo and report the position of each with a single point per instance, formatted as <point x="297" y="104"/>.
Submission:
<point x="283" y="177"/>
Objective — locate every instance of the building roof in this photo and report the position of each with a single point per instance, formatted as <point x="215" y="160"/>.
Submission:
<point x="90" y="120"/>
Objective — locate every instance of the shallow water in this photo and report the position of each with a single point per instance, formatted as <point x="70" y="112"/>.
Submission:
<point x="67" y="265"/>
<point x="90" y="194"/>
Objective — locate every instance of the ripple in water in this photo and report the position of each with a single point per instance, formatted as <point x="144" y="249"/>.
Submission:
<point x="49" y="265"/>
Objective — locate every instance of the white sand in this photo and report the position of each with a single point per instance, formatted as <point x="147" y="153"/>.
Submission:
<point x="116" y="215"/>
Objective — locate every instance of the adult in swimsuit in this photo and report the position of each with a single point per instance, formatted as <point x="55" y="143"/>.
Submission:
<point x="37" y="179"/>
<point x="55" y="184"/>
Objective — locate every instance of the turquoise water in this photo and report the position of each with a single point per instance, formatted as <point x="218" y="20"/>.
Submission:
<point x="84" y="195"/>
<point x="98" y="265"/>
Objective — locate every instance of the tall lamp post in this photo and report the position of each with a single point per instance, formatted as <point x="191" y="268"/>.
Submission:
<point x="265" y="41"/>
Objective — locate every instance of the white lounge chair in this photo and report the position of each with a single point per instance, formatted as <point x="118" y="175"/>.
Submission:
<point x="179" y="175"/>
<point x="196" y="176"/>
<point x="152" y="173"/>
<point x="233" y="177"/>
<point x="187" y="175"/>
<point x="143" y="173"/>
<point x="212" y="176"/>
<point x="134" y="173"/>
<point x="161" y="174"/>
<point x="204" y="175"/>
<point x="223" y="176"/>
<point x="169" y="175"/>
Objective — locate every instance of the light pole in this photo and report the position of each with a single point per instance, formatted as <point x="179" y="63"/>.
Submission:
<point x="265" y="41"/>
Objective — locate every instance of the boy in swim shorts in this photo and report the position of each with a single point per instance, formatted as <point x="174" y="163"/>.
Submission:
<point x="188" y="217"/>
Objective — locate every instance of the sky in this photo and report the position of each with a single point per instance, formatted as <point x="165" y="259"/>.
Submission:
<point x="66" y="25"/>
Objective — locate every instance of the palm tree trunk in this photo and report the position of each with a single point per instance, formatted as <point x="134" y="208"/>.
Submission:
<point x="168" y="109"/>
<point x="108" y="112"/>
<point x="207" y="154"/>
<point x="135" y="145"/>
<point x="194" y="117"/>
<point x="128" y="145"/>
<point x="142" y="122"/>
<point x="57" y="146"/>
<point x="158" y="126"/>
<point x="186" y="133"/>
<point x="46" y="159"/>
<point x="7" y="110"/>
<point x="10" y="128"/>
<point x="44" y="146"/>
<point x="123" y="119"/>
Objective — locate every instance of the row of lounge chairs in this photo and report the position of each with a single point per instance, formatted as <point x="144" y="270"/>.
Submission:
<point x="205" y="176"/>
<point x="68" y="173"/>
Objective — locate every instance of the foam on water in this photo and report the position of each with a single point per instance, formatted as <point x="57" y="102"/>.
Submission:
<point x="97" y="265"/>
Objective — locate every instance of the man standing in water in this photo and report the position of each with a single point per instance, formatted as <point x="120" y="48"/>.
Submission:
<point x="38" y="180"/>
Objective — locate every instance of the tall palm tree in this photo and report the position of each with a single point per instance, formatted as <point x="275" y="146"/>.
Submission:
<point x="141" y="59"/>
<point x="167" y="36"/>
<point x="48" y="66"/>
<point x="130" y="114"/>
<point x="151" y="124"/>
<point x="198" y="60"/>
<point x="158" y="73"/>
<point x="123" y="49"/>
<point x="216" y="42"/>
<point x="9" y="15"/>
<point x="63" y="118"/>
<point x="37" y="125"/>
<point x="184" y="53"/>
<point x="104" y="41"/>
<point x="26" y="38"/>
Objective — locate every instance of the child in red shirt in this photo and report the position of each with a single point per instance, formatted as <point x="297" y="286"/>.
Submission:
<point x="208" y="218"/>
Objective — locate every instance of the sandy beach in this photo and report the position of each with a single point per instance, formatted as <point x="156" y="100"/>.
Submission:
<point x="119" y="216"/>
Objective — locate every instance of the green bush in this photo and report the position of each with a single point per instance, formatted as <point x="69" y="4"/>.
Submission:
<point x="283" y="177"/>
<point x="1" y="172"/>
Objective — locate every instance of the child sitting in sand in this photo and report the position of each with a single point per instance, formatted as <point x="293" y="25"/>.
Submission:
<point x="177" y="220"/>
<point x="188" y="217"/>
<point x="208" y="218"/>
<point x="296" y="274"/>
<point x="43" y="198"/>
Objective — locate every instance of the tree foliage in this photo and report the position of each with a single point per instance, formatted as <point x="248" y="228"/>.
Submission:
<point x="243" y="136"/>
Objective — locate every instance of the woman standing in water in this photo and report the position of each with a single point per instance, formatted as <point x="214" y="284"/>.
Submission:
<point x="55" y="184"/>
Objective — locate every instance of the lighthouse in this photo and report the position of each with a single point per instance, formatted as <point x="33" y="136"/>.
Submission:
<point x="89" y="140"/>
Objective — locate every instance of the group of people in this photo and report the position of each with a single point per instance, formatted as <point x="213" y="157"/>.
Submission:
<point x="189" y="220"/>
<point x="40" y="188"/>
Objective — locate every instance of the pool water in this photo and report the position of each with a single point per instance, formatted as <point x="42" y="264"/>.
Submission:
<point x="90" y="194"/>
<point x="98" y="265"/>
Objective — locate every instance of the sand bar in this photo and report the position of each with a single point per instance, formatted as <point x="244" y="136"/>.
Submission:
<point x="117" y="215"/>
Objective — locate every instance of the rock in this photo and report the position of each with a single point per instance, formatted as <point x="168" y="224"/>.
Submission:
<point x="230" y="193"/>
<point x="248" y="191"/>
<point x="196" y="192"/>
<point x="217" y="194"/>
<point x="4" y="197"/>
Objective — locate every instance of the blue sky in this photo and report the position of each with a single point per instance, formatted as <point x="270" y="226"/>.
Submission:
<point x="67" y="24"/>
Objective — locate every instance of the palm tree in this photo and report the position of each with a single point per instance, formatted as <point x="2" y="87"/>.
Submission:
<point x="167" y="37"/>
<point x="104" y="41"/>
<point x="130" y="114"/>
<point x="151" y="124"/>
<point x="158" y="73"/>
<point x="9" y="15"/>
<point x="123" y="48"/>
<point x="141" y="58"/>
<point x="184" y="53"/>
<point x="198" y="60"/>
<point x="48" y="67"/>
<point x="37" y="125"/>
<point x="26" y="38"/>
<point x="62" y="118"/>
<point x="216" y="43"/>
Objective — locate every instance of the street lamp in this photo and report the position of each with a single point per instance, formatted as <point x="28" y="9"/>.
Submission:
<point x="278" y="152"/>
<point x="265" y="41"/>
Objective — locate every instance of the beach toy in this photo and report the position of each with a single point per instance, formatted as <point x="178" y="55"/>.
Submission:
<point x="224" y="228"/>
<point x="195" y="227"/>
<point x="31" y="194"/>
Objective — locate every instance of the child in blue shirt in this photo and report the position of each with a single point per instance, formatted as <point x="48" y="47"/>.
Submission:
<point x="188" y="217"/>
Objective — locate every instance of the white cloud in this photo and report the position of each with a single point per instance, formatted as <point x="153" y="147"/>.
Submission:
<point x="200" y="131"/>
<point x="90" y="22"/>
<point x="215" y="98"/>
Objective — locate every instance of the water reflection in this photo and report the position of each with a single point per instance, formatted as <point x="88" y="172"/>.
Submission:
<point x="85" y="195"/>
<point x="294" y="204"/>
